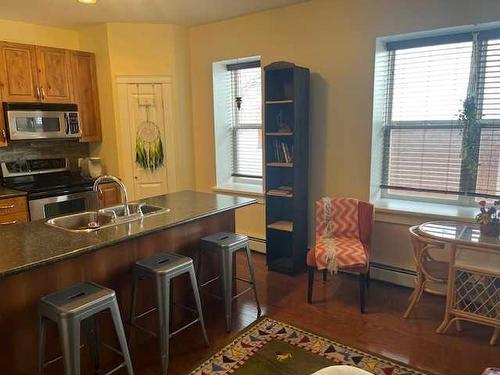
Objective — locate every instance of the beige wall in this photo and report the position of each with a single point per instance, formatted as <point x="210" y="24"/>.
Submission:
<point x="22" y="32"/>
<point x="336" y="41"/>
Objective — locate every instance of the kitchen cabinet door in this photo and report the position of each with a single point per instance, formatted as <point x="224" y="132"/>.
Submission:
<point x="18" y="73"/>
<point x="54" y="75"/>
<point x="86" y="95"/>
<point x="110" y="195"/>
<point x="3" y="127"/>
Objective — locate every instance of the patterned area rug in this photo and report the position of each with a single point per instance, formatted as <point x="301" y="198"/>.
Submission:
<point x="272" y="347"/>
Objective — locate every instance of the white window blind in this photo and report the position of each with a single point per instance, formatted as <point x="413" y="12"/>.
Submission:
<point x="246" y="119"/>
<point x="428" y="81"/>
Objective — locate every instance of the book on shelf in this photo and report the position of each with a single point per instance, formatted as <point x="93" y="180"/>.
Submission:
<point x="283" y="152"/>
<point x="282" y="191"/>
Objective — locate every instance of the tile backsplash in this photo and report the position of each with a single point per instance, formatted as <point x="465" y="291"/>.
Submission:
<point x="49" y="149"/>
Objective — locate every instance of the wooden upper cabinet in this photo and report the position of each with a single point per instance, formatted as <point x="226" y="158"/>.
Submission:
<point x="3" y="129"/>
<point x="54" y="75"/>
<point x="50" y="75"/>
<point x="86" y="95"/>
<point x="18" y="73"/>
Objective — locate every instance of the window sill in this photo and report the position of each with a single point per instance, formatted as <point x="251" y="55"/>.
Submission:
<point x="253" y="190"/>
<point x="401" y="211"/>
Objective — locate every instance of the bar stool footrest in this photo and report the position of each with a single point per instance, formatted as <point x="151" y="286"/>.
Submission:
<point x="242" y="292"/>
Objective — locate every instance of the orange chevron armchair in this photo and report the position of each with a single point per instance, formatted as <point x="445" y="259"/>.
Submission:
<point x="343" y="241"/>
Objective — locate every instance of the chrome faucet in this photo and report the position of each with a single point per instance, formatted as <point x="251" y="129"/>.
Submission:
<point x="109" y="178"/>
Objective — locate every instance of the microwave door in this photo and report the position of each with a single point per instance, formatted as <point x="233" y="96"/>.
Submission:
<point x="36" y="125"/>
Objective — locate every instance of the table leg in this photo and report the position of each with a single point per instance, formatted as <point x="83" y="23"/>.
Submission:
<point x="450" y="289"/>
<point x="494" y="337"/>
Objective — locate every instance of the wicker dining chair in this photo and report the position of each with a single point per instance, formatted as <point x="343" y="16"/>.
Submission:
<point x="428" y="268"/>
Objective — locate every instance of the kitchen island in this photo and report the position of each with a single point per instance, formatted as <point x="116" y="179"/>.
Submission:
<point x="37" y="259"/>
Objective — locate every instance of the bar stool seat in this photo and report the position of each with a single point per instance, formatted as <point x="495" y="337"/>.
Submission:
<point x="162" y="268"/>
<point x="226" y="244"/>
<point x="69" y="308"/>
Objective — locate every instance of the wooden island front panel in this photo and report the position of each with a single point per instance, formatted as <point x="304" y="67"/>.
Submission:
<point x="111" y="267"/>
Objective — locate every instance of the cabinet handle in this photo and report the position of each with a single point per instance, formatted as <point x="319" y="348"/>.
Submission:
<point x="43" y="93"/>
<point x="4" y="135"/>
<point x="38" y="92"/>
<point x="9" y="222"/>
<point x="6" y="207"/>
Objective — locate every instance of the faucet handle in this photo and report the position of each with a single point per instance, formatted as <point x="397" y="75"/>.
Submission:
<point x="139" y="208"/>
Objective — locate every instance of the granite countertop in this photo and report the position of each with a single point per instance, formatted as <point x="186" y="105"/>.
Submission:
<point x="10" y="193"/>
<point x="27" y="246"/>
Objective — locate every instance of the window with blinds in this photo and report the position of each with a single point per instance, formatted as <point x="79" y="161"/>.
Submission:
<point x="246" y="118"/>
<point x="428" y="81"/>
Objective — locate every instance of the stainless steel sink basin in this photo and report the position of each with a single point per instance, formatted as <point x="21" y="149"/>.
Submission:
<point x="87" y="221"/>
<point x="93" y="220"/>
<point x="137" y="210"/>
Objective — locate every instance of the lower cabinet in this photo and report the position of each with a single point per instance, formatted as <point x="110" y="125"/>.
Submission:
<point x="13" y="211"/>
<point x="110" y="195"/>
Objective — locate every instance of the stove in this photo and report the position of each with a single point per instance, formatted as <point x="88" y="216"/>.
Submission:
<point x="53" y="190"/>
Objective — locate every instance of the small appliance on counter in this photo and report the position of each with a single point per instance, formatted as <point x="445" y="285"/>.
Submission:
<point x="31" y="121"/>
<point x="52" y="189"/>
<point x="91" y="167"/>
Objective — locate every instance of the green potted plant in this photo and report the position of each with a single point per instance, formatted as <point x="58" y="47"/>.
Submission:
<point x="488" y="219"/>
<point x="470" y="142"/>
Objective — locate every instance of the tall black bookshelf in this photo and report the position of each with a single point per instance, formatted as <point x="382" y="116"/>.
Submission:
<point x="286" y="161"/>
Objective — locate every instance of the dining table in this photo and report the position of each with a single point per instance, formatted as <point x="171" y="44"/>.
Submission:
<point x="473" y="291"/>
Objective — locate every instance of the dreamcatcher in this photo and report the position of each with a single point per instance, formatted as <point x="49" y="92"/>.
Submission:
<point x="148" y="145"/>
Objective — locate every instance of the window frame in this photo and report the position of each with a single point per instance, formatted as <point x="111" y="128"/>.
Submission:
<point x="479" y="40"/>
<point x="234" y="70"/>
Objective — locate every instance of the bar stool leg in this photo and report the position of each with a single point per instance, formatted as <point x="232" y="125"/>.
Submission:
<point x="163" y="297"/>
<point x="42" y="334"/>
<point x="252" y="277"/>
<point x="120" y="333"/>
<point x="227" y="276"/>
<point x="133" y="303"/>
<point x="69" y="331"/>
<point x="196" y="293"/>
<point x="93" y="340"/>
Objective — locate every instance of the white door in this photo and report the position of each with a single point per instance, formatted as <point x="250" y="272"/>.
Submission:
<point x="144" y="120"/>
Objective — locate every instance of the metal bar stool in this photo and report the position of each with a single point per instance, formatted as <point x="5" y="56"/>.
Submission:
<point x="162" y="269"/>
<point x="226" y="244"/>
<point x="71" y="307"/>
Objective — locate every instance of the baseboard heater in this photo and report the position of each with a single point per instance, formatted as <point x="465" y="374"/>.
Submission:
<point x="392" y="274"/>
<point x="257" y="244"/>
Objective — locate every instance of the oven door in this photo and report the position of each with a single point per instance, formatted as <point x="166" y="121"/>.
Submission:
<point x="36" y="124"/>
<point x="60" y="205"/>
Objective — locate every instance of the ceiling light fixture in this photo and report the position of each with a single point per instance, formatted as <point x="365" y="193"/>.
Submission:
<point x="87" y="1"/>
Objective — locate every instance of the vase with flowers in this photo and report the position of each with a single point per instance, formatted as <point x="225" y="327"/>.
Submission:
<point x="489" y="218"/>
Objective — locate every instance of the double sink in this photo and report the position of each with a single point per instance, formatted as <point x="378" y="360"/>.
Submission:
<point x="90" y="221"/>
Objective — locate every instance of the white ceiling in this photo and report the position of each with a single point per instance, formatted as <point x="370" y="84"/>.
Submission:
<point x="182" y="12"/>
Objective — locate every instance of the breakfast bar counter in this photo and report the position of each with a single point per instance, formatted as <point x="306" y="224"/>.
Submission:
<point x="37" y="259"/>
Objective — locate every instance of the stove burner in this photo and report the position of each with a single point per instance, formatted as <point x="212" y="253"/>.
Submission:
<point x="43" y="177"/>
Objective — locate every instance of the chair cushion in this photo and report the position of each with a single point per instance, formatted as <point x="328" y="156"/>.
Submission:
<point x="351" y="253"/>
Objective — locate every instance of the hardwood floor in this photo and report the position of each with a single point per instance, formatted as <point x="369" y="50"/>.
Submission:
<point x="335" y="314"/>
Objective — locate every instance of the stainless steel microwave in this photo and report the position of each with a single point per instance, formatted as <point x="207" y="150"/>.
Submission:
<point x="27" y="121"/>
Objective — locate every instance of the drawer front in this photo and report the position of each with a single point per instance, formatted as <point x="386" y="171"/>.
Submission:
<point x="16" y="218"/>
<point x="13" y="205"/>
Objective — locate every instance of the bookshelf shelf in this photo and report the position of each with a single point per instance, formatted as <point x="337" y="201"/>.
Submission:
<point x="280" y="134"/>
<point x="280" y="165"/>
<point x="286" y="158"/>
<point x="287" y="101"/>
<point x="271" y="194"/>
<point x="283" y="225"/>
